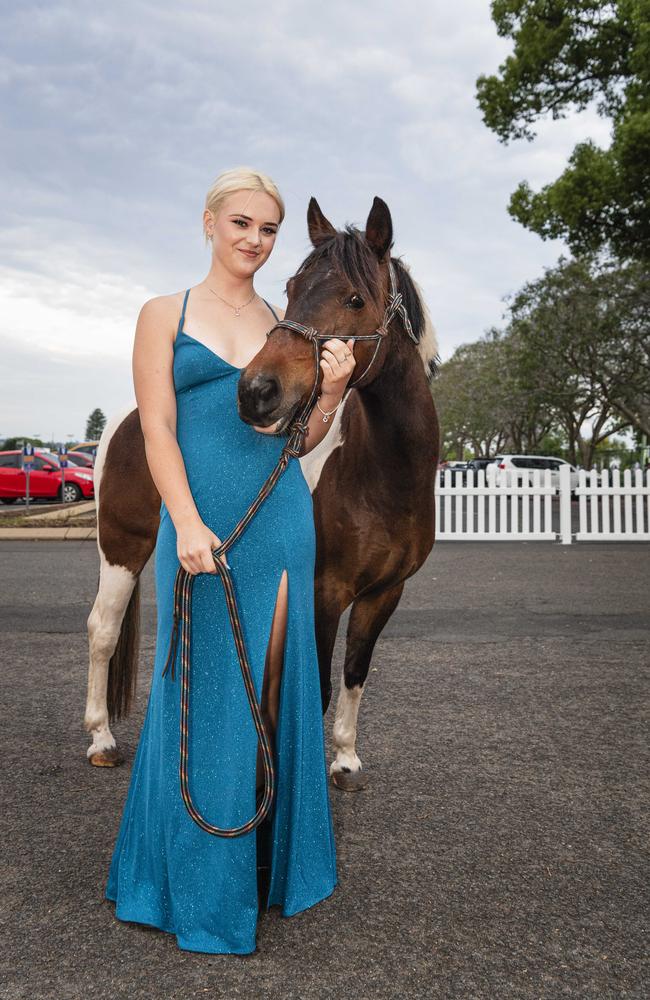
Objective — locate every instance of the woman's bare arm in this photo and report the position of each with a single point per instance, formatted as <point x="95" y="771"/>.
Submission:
<point x="153" y="353"/>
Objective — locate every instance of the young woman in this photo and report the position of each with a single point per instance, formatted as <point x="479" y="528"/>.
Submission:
<point x="208" y="466"/>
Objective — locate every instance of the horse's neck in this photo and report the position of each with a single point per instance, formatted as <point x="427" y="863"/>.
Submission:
<point x="397" y="414"/>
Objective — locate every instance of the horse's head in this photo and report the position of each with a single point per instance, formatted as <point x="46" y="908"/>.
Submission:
<point x="344" y="288"/>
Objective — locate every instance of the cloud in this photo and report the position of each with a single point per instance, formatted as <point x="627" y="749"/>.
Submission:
<point x="119" y="117"/>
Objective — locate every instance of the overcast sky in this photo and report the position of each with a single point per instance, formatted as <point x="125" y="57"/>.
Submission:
<point x="117" y="120"/>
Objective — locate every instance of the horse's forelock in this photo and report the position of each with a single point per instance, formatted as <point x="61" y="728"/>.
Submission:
<point x="348" y="251"/>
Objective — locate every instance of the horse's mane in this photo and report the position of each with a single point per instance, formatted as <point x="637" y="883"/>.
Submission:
<point x="351" y="256"/>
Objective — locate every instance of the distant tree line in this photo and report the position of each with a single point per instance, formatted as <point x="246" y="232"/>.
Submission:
<point x="94" y="426"/>
<point x="573" y="357"/>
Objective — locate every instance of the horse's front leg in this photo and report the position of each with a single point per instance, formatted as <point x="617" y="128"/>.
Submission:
<point x="368" y="616"/>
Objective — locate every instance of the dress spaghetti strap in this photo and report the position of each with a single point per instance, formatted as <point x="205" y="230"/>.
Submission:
<point x="182" y="319"/>
<point x="272" y="310"/>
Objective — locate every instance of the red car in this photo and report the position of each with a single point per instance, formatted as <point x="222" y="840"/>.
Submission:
<point x="80" y="459"/>
<point x="44" y="479"/>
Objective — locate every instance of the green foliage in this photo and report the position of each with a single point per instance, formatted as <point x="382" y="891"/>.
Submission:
<point x="95" y="425"/>
<point x="468" y="398"/>
<point x="575" y="355"/>
<point x="13" y="443"/>
<point x="568" y="53"/>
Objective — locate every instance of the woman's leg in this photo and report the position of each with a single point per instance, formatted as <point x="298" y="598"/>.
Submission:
<point x="269" y="704"/>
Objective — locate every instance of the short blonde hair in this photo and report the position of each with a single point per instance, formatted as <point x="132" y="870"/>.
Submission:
<point x="240" y="179"/>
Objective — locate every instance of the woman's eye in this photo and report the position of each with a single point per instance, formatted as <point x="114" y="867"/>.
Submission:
<point x="355" y="302"/>
<point x="266" y="229"/>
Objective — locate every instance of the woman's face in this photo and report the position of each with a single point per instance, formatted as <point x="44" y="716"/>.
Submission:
<point x="246" y="221"/>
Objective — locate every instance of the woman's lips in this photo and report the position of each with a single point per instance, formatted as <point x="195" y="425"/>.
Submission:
<point x="249" y="253"/>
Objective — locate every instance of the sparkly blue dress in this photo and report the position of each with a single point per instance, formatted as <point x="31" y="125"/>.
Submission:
<point x="165" y="870"/>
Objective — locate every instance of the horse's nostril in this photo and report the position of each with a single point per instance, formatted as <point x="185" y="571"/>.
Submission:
<point x="267" y="388"/>
<point x="259" y="396"/>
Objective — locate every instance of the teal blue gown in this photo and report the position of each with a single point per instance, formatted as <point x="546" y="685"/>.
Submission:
<point x="165" y="870"/>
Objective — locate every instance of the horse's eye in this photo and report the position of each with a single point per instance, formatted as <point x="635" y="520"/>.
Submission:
<point x="355" y="302"/>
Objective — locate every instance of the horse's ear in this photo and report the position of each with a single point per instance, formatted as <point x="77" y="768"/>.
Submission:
<point x="319" y="227"/>
<point x="379" y="228"/>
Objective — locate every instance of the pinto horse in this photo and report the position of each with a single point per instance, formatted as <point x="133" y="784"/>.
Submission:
<point x="372" y="477"/>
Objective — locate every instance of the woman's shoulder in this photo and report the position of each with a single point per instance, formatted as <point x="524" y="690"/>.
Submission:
<point x="163" y="302"/>
<point x="279" y="310"/>
<point x="159" y="315"/>
<point x="163" y="307"/>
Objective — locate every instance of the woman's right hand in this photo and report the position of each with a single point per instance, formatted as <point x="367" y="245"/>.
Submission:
<point x="194" y="544"/>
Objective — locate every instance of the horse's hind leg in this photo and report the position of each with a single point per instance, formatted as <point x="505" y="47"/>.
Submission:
<point x="114" y="596"/>
<point x="369" y="614"/>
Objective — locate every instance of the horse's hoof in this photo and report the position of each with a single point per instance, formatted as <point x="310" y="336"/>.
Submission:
<point x="350" y="781"/>
<point x="107" y="758"/>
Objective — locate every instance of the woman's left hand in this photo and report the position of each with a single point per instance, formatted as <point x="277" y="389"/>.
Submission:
<point x="337" y="362"/>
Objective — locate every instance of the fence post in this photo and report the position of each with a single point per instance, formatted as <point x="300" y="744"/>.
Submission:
<point x="565" y="504"/>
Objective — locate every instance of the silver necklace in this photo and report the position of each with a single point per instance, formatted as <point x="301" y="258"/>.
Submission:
<point x="236" y="308"/>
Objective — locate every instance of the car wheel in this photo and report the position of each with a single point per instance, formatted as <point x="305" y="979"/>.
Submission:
<point x="72" y="493"/>
<point x="8" y="499"/>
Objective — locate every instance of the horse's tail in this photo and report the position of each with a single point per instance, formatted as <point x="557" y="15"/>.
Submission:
<point x="123" y="664"/>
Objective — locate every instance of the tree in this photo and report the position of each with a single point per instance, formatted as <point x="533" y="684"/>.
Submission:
<point x="95" y="425"/>
<point x="566" y="54"/>
<point x="572" y="365"/>
<point x="17" y="441"/>
<point x="622" y="371"/>
<point x="467" y="398"/>
<point x="483" y="404"/>
<point x="577" y="336"/>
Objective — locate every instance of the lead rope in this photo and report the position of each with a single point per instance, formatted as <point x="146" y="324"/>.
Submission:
<point x="184" y="583"/>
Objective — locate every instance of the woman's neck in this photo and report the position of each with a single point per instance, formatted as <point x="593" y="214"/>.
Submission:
<point x="229" y="285"/>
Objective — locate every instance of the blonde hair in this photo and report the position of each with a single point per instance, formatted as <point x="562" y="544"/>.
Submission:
<point x="240" y="179"/>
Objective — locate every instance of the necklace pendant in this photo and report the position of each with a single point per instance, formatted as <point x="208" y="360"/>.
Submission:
<point x="236" y="312"/>
<point x="325" y="419"/>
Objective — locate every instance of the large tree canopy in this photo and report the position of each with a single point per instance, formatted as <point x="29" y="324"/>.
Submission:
<point x="573" y="361"/>
<point x="568" y="53"/>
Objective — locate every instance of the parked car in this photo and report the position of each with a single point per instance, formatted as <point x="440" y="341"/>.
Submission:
<point x="453" y="473"/>
<point x="457" y="475"/>
<point x="526" y="464"/>
<point x="87" y="446"/>
<point x="45" y="478"/>
<point x="479" y="463"/>
<point x="81" y="459"/>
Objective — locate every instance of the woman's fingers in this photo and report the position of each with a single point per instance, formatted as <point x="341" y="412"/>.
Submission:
<point x="338" y="351"/>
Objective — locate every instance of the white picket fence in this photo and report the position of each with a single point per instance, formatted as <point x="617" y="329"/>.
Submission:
<point x="517" y="510"/>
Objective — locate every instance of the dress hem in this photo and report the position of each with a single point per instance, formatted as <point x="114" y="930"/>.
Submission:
<point x="185" y="945"/>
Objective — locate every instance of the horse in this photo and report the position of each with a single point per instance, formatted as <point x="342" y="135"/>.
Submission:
<point x="371" y="478"/>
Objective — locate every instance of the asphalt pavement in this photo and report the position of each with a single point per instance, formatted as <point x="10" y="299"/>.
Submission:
<point x="499" y="851"/>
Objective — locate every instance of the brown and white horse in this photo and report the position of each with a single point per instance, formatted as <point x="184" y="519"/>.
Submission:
<point x="371" y="477"/>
